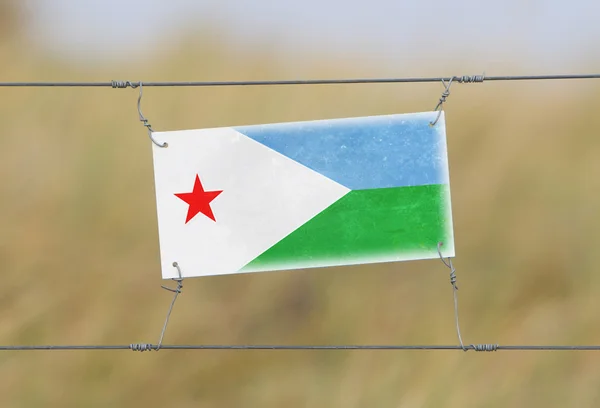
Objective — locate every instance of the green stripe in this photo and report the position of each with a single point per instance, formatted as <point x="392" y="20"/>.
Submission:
<point x="375" y="225"/>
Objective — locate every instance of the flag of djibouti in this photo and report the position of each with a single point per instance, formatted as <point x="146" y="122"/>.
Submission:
<point x="303" y="194"/>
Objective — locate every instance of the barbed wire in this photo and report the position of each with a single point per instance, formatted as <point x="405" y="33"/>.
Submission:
<point x="459" y="79"/>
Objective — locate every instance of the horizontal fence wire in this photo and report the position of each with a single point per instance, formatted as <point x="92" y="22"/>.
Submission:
<point x="460" y="79"/>
<point x="151" y="347"/>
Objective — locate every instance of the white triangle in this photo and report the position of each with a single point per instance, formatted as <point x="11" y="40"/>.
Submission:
<point x="265" y="197"/>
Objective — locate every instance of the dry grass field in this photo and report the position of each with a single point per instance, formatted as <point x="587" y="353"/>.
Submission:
<point x="79" y="247"/>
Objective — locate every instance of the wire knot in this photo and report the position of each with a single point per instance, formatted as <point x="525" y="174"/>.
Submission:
<point x="449" y="265"/>
<point x="453" y="278"/>
<point x="484" y="347"/>
<point x="141" y="347"/>
<point x="179" y="281"/>
<point x="142" y="118"/>
<point x="146" y="124"/>
<point x="443" y="98"/>
<point x="177" y="291"/>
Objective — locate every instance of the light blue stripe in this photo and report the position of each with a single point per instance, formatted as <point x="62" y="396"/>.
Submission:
<point x="362" y="153"/>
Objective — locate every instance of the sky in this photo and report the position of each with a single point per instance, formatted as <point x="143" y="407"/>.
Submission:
<point x="548" y="35"/>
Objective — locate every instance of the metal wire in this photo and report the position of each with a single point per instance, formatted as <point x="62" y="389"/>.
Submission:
<point x="454" y="291"/>
<point x="141" y="347"/>
<point x="146" y="347"/>
<point x="460" y="79"/>
<point x="176" y="292"/>
<point x="443" y="98"/>
<point x="144" y="121"/>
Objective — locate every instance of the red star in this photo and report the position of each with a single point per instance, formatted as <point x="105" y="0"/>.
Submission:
<point x="199" y="201"/>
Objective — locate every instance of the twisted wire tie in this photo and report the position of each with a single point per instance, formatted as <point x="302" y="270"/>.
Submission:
<point x="148" y="347"/>
<point x="124" y="84"/>
<point x="452" y="274"/>
<point x="445" y="94"/>
<point x="141" y="347"/>
<point x="475" y="347"/>
<point x="469" y="79"/>
<point x="484" y="347"/>
<point x="145" y="123"/>
<point x="465" y="79"/>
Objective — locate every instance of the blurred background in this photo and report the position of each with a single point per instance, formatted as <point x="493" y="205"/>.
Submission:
<point x="78" y="235"/>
